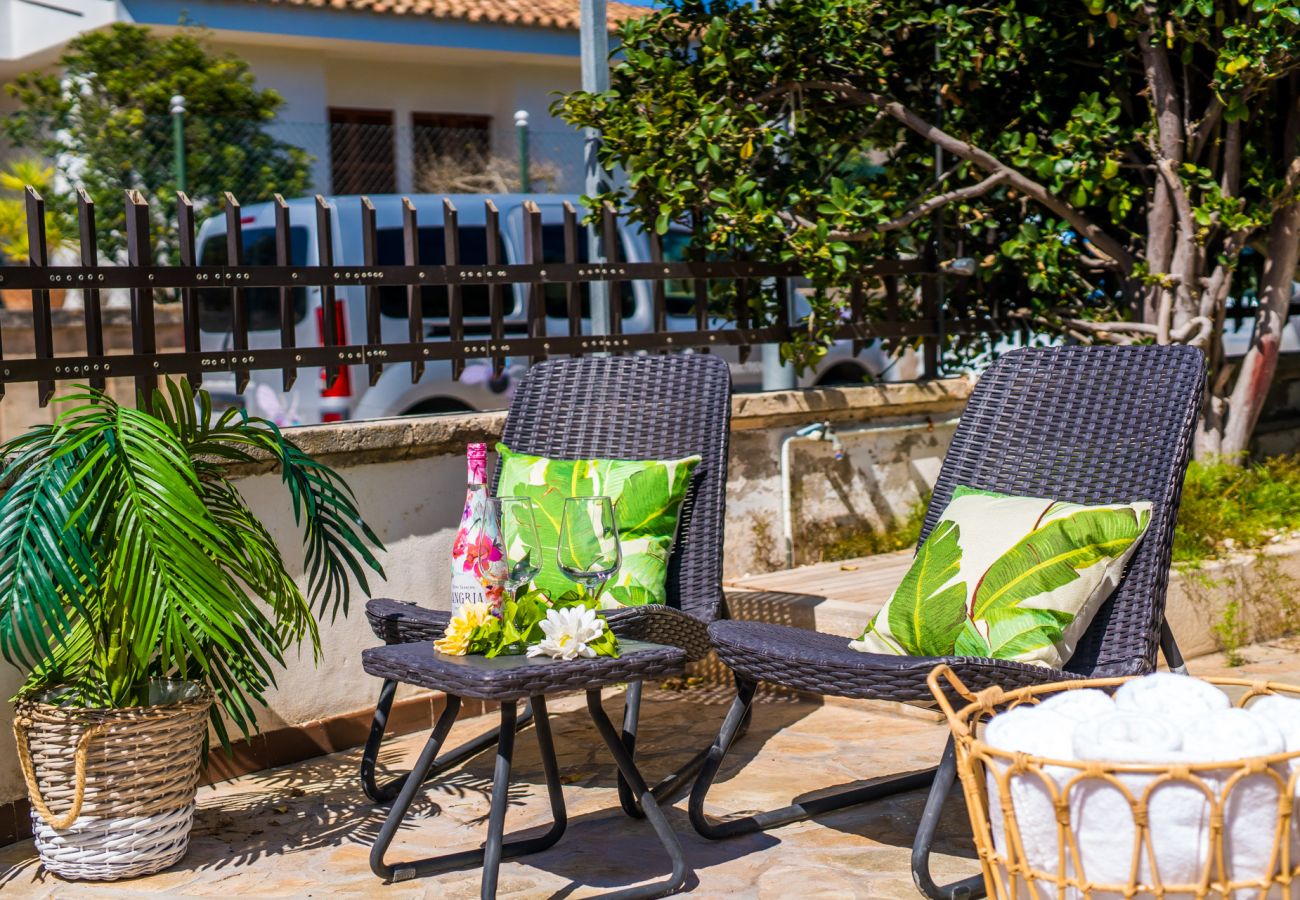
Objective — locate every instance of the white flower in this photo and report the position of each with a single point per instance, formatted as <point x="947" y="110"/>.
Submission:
<point x="567" y="633"/>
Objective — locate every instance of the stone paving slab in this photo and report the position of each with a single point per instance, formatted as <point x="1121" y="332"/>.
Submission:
<point x="305" y="830"/>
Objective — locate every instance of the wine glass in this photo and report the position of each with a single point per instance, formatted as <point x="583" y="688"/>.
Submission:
<point x="589" y="553"/>
<point x="517" y="517"/>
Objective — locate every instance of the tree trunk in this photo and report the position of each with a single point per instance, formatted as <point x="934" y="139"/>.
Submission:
<point x="1260" y="361"/>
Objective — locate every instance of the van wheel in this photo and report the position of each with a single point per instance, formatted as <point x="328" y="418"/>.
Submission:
<point x="438" y="405"/>
<point x="844" y="374"/>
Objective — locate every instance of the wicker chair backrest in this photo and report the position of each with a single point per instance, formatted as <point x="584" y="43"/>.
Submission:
<point x="642" y="407"/>
<point x="1089" y="425"/>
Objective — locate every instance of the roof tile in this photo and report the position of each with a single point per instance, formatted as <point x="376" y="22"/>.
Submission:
<point x="560" y="14"/>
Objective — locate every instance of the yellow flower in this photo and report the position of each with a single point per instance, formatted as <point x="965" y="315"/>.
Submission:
<point x="455" y="640"/>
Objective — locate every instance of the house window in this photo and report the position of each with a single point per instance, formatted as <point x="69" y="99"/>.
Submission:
<point x="362" y="152"/>
<point x="448" y="140"/>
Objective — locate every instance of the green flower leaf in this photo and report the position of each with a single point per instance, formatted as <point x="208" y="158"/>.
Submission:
<point x="925" y="617"/>
<point x="1046" y="559"/>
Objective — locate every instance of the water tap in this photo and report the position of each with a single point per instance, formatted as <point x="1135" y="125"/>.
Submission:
<point x="823" y="432"/>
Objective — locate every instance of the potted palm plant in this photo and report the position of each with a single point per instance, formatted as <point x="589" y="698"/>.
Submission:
<point x="147" y="601"/>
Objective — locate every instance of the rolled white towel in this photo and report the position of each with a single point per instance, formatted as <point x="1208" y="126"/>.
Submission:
<point x="1102" y="817"/>
<point x="1231" y="734"/>
<point x="1178" y="697"/>
<point x="1282" y="711"/>
<point x="1038" y="731"/>
<point x="1079" y="705"/>
<point x="1250" y="808"/>
<point x="1125" y="736"/>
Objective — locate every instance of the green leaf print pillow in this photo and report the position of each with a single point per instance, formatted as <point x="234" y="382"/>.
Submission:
<point x="647" y="496"/>
<point x="1017" y="578"/>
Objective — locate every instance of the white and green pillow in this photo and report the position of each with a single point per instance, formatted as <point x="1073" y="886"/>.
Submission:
<point x="647" y="497"/>
<point x="1006" y="577"/>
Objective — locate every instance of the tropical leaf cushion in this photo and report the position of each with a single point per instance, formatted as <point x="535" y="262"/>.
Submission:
<point x="1007" y="577"/>
<point x="647" y="496"/>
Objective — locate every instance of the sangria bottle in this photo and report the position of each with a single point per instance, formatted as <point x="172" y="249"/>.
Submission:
<point x="478" y="567"/>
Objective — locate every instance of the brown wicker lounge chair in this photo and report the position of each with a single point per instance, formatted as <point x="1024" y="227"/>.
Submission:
<point x="637" y="407"/>
<point x="1086" y="424"/>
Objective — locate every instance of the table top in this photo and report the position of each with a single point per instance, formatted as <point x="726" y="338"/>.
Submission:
<point x="517" y="677"/>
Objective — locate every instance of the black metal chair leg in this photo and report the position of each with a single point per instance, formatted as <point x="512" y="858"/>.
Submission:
<point x="500" y="800"/>
<point x="369" y="756"/>
<point x="628" y="770"/>
<point x="383" y="793"/>
<point x="496" y="848"/>
<point x="1169" y="647"/>
<point x="672" y="784"/>
<point x="407" y="796"/>
<point x="631" y="717"/>
<point x="966" y="889"/>
<point x="796" y="812"/>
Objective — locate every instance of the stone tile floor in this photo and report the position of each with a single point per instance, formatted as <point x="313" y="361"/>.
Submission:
<point x="305" y="830"/>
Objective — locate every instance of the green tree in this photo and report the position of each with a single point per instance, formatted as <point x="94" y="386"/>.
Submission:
<point x="102" y="117"/>
<point x="1119" y="168"/>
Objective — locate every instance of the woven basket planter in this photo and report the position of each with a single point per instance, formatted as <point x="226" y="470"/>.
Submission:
<point x="112" y="790"/>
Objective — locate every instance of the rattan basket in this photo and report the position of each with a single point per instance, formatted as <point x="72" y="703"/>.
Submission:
<point x="1131" y="830"/>
<point x="112" y="790"/>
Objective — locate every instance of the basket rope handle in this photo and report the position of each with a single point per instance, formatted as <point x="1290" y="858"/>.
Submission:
<point x="58" y="823"/>
<point x="958" y="686"/>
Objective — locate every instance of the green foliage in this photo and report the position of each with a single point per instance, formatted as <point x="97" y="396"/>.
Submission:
<point x="126" y="554"/>
<point x="1227" y="507"/>
<point x="520" y="624"/>
<point x="902" y="534"/>
<point x="103" y="116"/>
<point x="806" y="131"/>
<point x="14" y="179"/>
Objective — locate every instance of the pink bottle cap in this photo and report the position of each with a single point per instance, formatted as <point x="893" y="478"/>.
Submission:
<point x="476" y="458"/>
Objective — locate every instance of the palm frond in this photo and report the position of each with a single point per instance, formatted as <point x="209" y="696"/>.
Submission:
<point x="126" y="554"/>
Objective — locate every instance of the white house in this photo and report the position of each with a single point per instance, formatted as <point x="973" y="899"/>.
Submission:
<point x="371" y="86"/>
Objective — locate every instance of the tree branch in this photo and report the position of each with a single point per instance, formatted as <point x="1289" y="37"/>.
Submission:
<point x="981" y="159"/>
<point x="923" y="210"/>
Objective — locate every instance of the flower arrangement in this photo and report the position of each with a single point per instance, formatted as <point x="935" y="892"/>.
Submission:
<point x="568" y="628"/>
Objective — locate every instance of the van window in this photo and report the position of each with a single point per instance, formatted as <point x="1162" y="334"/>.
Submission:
<point x="557" y="306"/>
<point x="215" y="312"/>
<point x="390" y="251"/>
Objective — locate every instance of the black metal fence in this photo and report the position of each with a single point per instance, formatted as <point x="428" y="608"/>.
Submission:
<point x="902" y="295"/>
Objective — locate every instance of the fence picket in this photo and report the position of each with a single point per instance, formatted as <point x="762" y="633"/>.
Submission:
<point x="139" y="256"/>
<point x="283" y="258"/>
<point x="370" y="257"/>
<point x="455" y="302"/>
<point x="91" y="314"/>
<point x="38" y="257"/>
<point x="238" y="297"/>
<point x="572" y="290"/>
<point x="492" y="227"/>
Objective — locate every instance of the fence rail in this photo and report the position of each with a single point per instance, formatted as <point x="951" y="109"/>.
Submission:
<point x="915" y="316"/>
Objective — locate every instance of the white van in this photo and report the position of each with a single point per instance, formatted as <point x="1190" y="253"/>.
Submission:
<point x="352" y="397"/>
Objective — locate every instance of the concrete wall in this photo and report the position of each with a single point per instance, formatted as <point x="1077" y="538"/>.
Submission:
<point x="409" y="476"/>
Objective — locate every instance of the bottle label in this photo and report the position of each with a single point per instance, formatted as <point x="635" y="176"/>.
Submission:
<point x="478" y="565"/>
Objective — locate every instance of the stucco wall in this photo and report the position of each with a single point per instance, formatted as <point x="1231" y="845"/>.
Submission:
<point x="409" y="477"/>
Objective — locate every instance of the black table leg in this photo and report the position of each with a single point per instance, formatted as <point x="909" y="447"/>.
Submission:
<point x="496" y="848"/>
<point x="385" y="792"/>
<point x="627" y="768"/>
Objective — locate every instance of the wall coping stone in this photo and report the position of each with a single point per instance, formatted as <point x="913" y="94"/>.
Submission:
<point x="345" y="444"/>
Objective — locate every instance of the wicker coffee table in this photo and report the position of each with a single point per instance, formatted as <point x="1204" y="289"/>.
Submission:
<point x="507" y="680"/>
